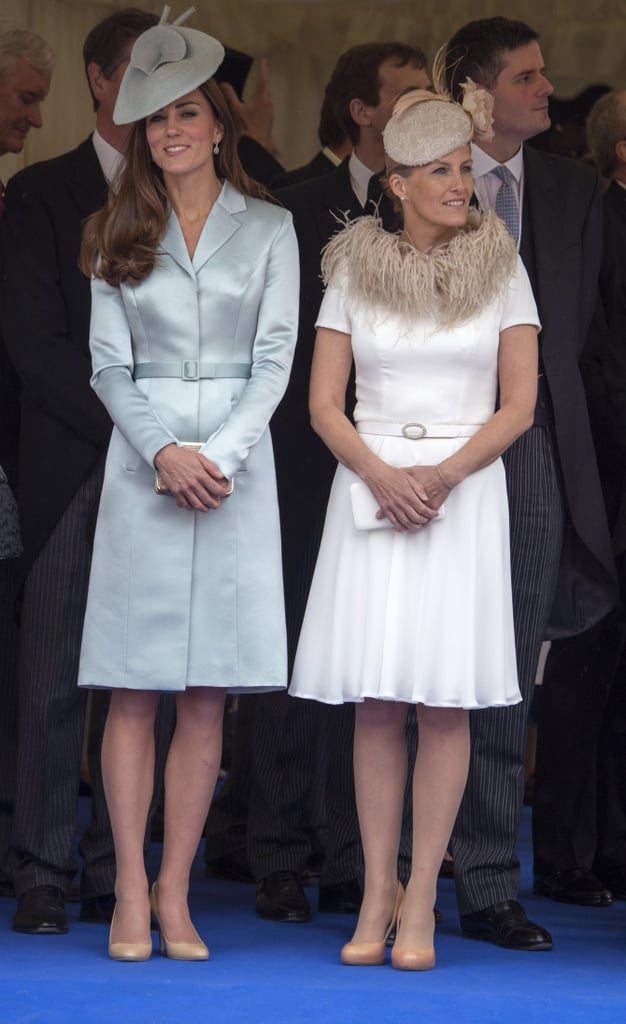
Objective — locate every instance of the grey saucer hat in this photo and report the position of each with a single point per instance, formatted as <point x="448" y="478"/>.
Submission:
<point x="166" y="62"/>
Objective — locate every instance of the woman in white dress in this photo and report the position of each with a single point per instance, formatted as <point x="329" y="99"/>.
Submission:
<point x="438" y="320"/>
<point x="193" y="327"/>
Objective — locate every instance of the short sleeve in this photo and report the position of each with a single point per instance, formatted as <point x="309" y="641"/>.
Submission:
<point x="333" y="312"/>
<point x="519" y="303"/>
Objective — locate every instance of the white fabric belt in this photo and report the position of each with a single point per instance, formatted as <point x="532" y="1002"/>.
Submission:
<point x="191" y="369"/>
<point x="415" y="431"/>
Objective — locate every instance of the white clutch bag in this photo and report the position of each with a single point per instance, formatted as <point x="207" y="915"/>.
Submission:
<point x="365" y="507"/>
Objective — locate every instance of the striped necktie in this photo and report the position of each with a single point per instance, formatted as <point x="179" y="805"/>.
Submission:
<point x="506" y="201"/>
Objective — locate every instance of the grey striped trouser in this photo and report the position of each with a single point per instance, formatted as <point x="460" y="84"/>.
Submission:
<point x="485" y="833"/>
<point x="52" y="715"/>
<point x="9" y="580"/>
<point x="51" y="706"/>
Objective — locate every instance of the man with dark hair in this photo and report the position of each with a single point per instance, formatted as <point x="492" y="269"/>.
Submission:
<point x="285" y="735"/>
<point x="64" y="436"/>
<point x="479" y="51"/>
<point x="579" y="800"/>
<point x="366" y="74"/>
<point x="370" y="77"/>
<point x="108" y="46"/>
<point x="562" y="566"/>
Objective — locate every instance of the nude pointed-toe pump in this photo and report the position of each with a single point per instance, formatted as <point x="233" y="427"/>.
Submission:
<point x="177" y="950"/>
<point x="128" y="951"/>
<point x="372" y="954"/>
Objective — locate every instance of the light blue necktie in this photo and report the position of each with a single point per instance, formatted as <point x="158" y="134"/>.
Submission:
<point x="506" y="201"/>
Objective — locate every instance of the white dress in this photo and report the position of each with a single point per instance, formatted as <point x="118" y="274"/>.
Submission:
<point x="425" y="616"/>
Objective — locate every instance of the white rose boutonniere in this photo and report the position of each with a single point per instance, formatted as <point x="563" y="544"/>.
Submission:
<point x="478" y="103"/>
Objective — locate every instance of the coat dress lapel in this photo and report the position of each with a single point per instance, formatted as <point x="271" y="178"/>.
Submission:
<point x="223" y="221"/>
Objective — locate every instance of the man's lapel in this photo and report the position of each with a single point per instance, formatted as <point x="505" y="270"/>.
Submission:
<point x="542" y="226"/>
<point x="87" y="186"/>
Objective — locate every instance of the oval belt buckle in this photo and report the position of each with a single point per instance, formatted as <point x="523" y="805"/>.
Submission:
<point x="414" y="431"/>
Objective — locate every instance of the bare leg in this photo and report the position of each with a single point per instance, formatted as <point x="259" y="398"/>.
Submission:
<point x="190" y="776"/>
<point x="438" y="783"/>
<point x="380" y="767"/>
<point x="128" y="777"/>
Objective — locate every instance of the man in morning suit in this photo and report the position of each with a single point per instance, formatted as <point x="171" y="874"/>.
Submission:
<point x="561" y="561"/>
<point x="64" y="436"/>
<point x="579" y="802"/>
<point x="26" y="63"/>
<point x="366" y="82"/>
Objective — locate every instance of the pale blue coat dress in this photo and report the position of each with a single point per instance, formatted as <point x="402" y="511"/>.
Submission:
<point x="180" y="598"/>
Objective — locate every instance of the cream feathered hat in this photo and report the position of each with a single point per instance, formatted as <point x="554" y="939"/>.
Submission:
<point x="425" y="126"/>
<point x="166" y="62"/>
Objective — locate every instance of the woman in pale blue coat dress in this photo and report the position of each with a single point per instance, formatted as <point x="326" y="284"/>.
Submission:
<point x="194" y="317"/>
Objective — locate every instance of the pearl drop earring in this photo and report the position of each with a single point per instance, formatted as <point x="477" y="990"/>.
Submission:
<point x="216" y="148"/>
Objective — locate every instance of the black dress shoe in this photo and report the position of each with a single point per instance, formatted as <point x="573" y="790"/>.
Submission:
<point x="41" y="911"/>
<point x="97" y="909"/>
<point x="506" y="924"/>
<point x="280" y="897"/>
<point x="574" y="886"/>
<point x="340" y="898"/>
<point x="615" y="881"/>
<point x="233" y="867"/>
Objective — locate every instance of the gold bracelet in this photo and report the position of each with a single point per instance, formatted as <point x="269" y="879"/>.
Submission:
<point x="442" y="478"/>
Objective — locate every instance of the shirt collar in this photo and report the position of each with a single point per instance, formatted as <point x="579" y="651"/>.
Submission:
<point x="483" y="163"/>
<point x="110" y="159"/>
<point x="360" y="177"/>
<point x="330" y="155"/>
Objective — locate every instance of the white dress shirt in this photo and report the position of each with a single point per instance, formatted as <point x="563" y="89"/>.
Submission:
<point x="486" y="184"/>
<point x="110" y="159"/>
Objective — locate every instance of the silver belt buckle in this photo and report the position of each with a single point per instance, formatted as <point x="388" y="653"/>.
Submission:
<point x="189" y="369"/>
<point x="414" y="431"/>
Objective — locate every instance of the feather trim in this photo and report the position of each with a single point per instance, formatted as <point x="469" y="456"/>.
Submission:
<point x="378" y="272"/>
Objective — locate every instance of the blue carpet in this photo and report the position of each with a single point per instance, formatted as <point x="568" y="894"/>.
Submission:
<point x="265" y="973"/>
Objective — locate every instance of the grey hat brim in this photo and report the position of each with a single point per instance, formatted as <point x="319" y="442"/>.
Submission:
<point x="166" y="63"/>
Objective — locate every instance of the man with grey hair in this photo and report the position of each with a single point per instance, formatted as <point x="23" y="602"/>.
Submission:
<point x="606" y="136"/>
<point x="26" y="63"/>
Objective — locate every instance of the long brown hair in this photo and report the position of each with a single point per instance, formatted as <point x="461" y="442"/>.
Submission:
<point x="121" y="241"/>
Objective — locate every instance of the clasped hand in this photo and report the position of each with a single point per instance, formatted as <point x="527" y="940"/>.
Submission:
<point x="194" y="480"/>
<point x="410" y="496"/>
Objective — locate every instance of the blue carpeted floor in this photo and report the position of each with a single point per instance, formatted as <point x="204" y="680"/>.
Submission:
<point x="281" y="974"/>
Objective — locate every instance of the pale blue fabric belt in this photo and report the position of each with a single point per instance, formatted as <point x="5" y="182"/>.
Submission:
<point x="192" y="369"/>
<point x="415" y="431"/>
